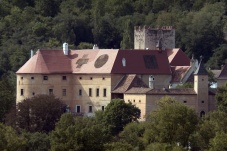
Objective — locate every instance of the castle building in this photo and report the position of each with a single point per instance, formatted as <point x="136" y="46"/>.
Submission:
<point x="87" y="80"/>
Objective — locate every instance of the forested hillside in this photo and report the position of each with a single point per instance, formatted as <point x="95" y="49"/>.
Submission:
<point x="34" y="24"/>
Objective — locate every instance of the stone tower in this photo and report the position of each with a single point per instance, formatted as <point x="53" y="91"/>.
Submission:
<point x="154" y="38"/>
<point x="201" y="89"/>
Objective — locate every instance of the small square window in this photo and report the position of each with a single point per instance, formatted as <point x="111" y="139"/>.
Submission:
<point x="103" y="78"/>
<point x="45" y="77"/>
<point x="140" y="101"/>
<point x="185" y="101"/>
<point x="90" y="109"/>
<point x="33" y="93"/>
<point x="202" y="101"/>
<point x="80" y="78"/>
<point x="91" y="78"/>
<point x="64" y="78"/>
<point x="128" y="100"/>
<point x="32" y="78"/>
<point x="134" y="101"/>
<point x="21" y="78"/>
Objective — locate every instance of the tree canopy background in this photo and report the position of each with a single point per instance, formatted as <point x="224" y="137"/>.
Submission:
<point x="30" y="24"/>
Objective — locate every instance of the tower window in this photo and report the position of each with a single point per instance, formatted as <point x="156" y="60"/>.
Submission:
<point x="104" y="92"/>
<point x="77" y="108"/>
<point x="80" y="92"/>
<point x="91" y="78"/>
<point x="64" y="78"/>
<point x="103" y="108"/>
<point x="45" y="77"/>
<point x="32" y="78"/>
<point x="21" y="91"/>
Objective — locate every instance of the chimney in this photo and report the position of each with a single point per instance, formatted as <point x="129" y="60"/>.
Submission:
<point x="65" y="48"/>
<point x="32" y="53"/>
<point x="95" y="46"/>
<point x="151" y="82"/>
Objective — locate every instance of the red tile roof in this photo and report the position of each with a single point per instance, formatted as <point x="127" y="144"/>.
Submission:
<point x="178" y="73"/>
<point x="142" y="62"/>
<point x="97" y="61"/>
<point x="128" y="82"/>
<point x="177" y="57"/>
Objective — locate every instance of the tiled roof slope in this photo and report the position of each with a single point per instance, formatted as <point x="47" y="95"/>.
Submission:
<point x="223" y="74"/>
<point x="46" y="62"/>
<point x="128" y="82"/>
<point x="97" y="61"/>
<point x="142" y="62"/>
<point x="185" y="91"/>
<point x="178" y="73"/>
<point x="216" y="73"/>
<point x="177" y="57"/>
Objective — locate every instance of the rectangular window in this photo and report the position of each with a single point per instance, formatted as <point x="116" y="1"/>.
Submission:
<point x="45" y="77"/>
<point x="90" y="92"/>
<point x="80" y="92"/>
<point x="77" y="108"/>
<point x="63" y="92"/>
<point x="104" y="92"/>
<point x="90" y="109"/>
<point x="103" y="107"/>
<point x="51" y="92"/>
<point x="64" y="78"/>
<point x="21" y="91"/>
<point x="32" y="78"/>
<point x="97" y="92"/>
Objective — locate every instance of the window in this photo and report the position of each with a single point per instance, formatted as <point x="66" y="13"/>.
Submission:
<point x="104" y="92"/>
<point x="90" y="109"/>
<point x="77" y="108"/>
<point x="97" y="92"/>
<point x="45" y="77"/>
<point x="134" y="101"/>
<point x="91" y="78"/>
<point x="33" y="93"/>
<point x="90" y="92"/>
<point x="80" y="78"/>
<point x="51" y="92"/>
<point x="202" y="114"/>
<point x="185" y="101"/>
<point x="32" y="78"/>
<point x="80" y="92"/>
<point x="202" y="101"/>
<point x="140" y="101"/>
<point x="21" y="91"/>
<point x="64" y="78"/>
<point x="21" y="78"/>
<point x="63" y="92"/>
<point x="103" y="78"/>
<point x="103" y="107"/>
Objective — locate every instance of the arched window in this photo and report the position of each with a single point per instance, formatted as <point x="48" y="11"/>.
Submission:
<point x="202" y="114"/>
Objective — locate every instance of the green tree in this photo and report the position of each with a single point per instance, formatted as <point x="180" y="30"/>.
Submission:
<point x="221" y="97"/>
<point x="219" y="142"/>
<point x="39" y="113"/>
<point x="127" y="41"/>
<point x="9" y="140"/>
<point x="171" y="123"/>
<point x="118" y="114"/>
<point x="77" y="134"/>
<point x="36" y="141"/>
<point x="208" y="128"/>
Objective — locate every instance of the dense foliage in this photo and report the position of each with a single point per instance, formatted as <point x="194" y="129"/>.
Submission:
<point x="30" y="24"/>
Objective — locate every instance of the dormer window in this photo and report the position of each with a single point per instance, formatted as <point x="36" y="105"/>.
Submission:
<point x="123" y="62"/>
